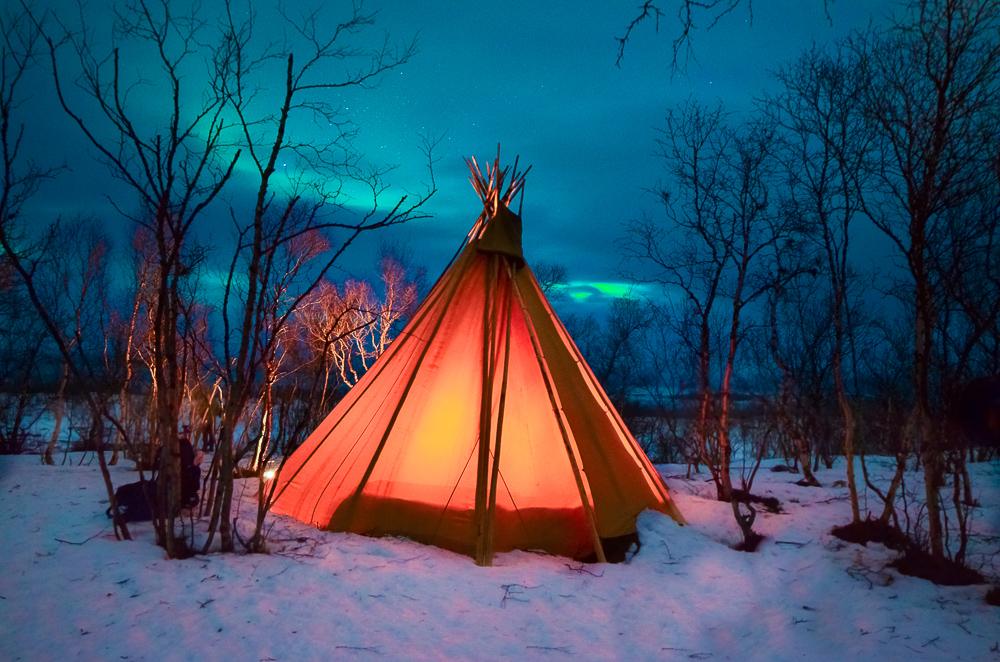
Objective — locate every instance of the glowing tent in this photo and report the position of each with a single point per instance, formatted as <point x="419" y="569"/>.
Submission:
<point x="481" y="428"/>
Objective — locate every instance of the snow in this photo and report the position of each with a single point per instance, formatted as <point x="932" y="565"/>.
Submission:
<point x="69" y="590"/>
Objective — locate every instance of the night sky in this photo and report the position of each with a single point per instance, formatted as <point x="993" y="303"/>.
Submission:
<point x="538" y="77"/>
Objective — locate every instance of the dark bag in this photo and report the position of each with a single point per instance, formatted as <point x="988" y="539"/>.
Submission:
<point x="190" y="474"/>
<point x="190" y="482"/>
<point x="135" y="501"/>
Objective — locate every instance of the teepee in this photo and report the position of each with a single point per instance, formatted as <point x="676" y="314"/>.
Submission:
<point x="481" y="428"/>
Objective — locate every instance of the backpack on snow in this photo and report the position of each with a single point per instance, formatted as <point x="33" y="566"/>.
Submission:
<point x="135" y="501"/>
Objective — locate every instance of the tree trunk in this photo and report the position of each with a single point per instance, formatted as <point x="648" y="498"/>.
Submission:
<point x="224" y="494"/>
<point x="930" y="452"/>
<point x="58" y="410"/>
<point x="847" y="411"/>
<point x="724" y="486"/>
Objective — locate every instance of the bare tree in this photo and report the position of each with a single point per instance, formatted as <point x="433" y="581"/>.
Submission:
<point x="935" y="87"/>
<point x="285" y="214"/>
<point x="327" y="321"/>
<point x="72" y="282"/>
<point x="688" y="256"/>
<point x="666" y="382"/>
<point x="968" y="259"/>
<point x="132" y="331"/>
<point x="22" y="346"/>
<point x="688" y="14"/>
<point x="173" y="167"/>
<point x="615" y="358"/>
<point x="550" y="276"/>
<point x="798" y="340"/>
<point x="21" y="180"/>
<point x="719" y="251"/>
<point x="827" y="143"/>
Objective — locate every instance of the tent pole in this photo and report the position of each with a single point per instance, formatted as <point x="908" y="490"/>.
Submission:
<point x="491" y="520"/>
<point x="567" y="436"/>
<point x="485" y="414"/>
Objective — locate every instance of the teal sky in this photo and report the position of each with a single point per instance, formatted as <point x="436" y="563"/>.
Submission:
<point x="541" y="79"/>
<point x="537" y="77"/>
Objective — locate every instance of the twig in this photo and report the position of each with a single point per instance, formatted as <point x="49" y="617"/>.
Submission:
<point x="370" y="649"/>
<point x="691" y="656"/>
<point x="511" y="591"/>
<point x="561" y="649"/>
<point x="280" y="572"/>
<point x="583" y="570"/>
<point x="83" y="542"/>
<point x="891" y="629"/>
<point x="648" y="9"/>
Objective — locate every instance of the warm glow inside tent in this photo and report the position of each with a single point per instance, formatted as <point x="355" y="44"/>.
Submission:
<point x="481" y="429"/>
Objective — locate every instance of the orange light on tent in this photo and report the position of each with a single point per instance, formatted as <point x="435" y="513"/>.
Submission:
<point x="422" y="447"/>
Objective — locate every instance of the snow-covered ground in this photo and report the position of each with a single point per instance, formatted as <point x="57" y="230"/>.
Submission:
<point x="68" y="590"/>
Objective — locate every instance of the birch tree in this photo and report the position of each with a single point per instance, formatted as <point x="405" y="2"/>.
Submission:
<point x="169" y="163"/>
<point x="935" y="87"/>
<point x="827" y="143"/>
<point x="319" y="63"/>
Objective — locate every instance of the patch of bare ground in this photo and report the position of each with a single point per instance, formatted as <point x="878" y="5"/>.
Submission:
<point x="912" y="560"/>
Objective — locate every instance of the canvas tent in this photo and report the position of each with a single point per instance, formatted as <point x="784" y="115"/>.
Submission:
<point x="481" y="428"/>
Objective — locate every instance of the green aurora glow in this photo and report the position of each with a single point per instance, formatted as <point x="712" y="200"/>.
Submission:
<point x="585" y="290"/>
